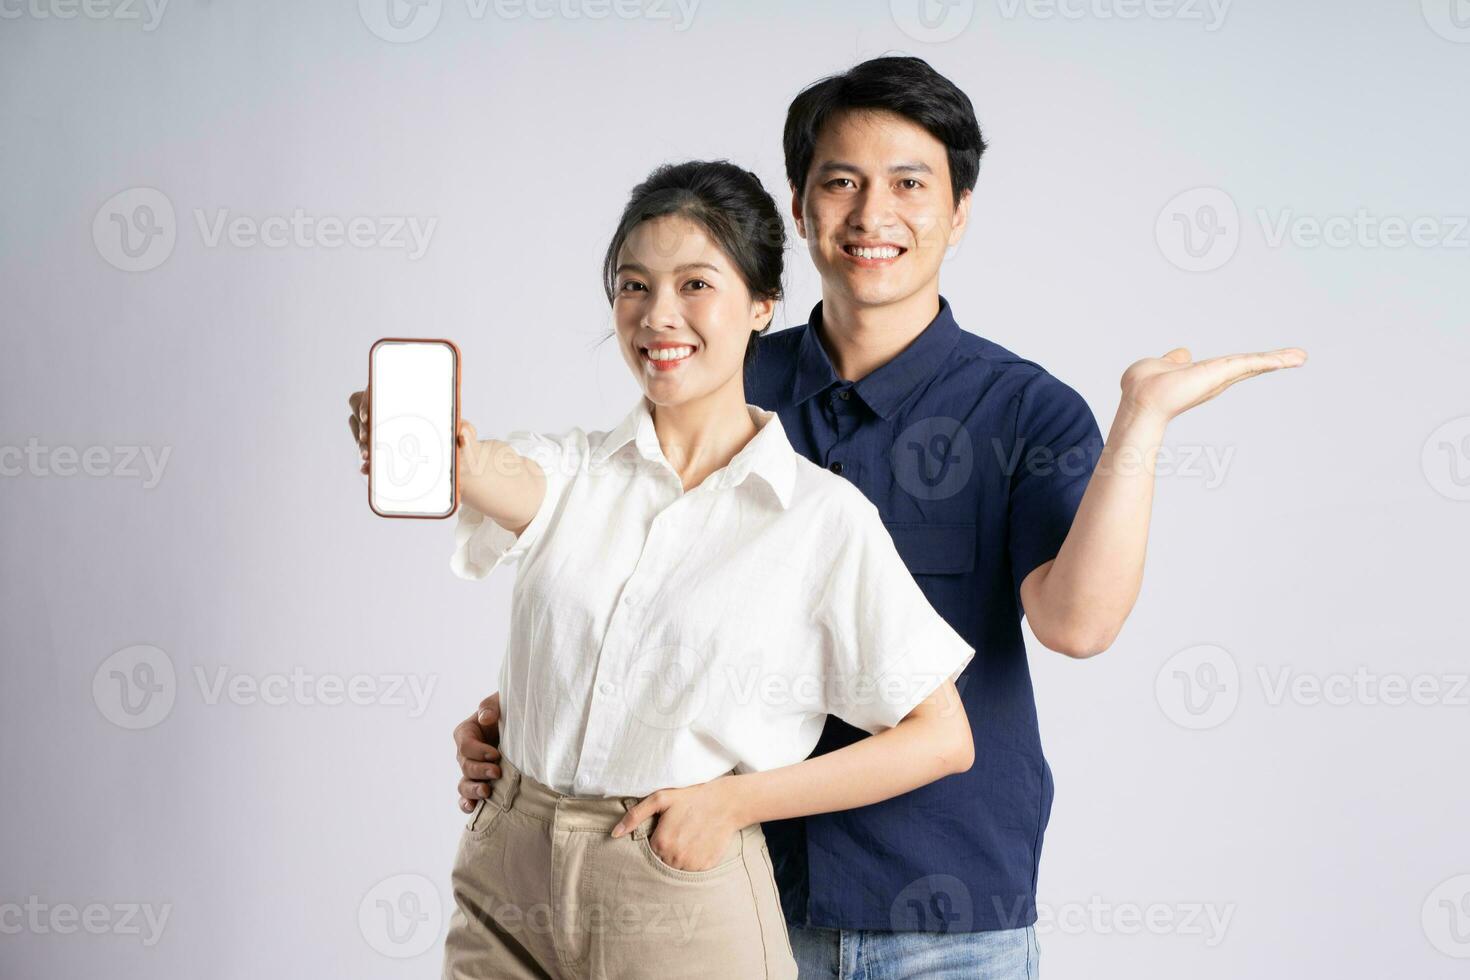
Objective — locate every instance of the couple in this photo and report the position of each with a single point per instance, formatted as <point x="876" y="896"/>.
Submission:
<point x="765" y="705"/>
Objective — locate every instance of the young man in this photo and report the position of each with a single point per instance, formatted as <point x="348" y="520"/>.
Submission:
<point x="995" y="484"/>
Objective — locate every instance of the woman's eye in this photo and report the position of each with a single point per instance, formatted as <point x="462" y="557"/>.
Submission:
<point x="631" y="286"/>
<point x="696" y="284"/>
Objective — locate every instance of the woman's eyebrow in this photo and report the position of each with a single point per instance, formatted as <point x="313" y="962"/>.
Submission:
<point x="635" y="267"/>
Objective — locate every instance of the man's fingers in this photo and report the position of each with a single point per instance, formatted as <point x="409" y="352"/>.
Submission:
<point x="471" y="789"/>
<point x="475" y="769"/>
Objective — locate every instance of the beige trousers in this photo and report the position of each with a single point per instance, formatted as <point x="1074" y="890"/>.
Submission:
<point x="541" y="890"/>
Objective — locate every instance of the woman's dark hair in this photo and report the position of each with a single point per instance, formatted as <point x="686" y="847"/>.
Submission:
<point x="733" y="208"/>
<point x="903" y="85"/>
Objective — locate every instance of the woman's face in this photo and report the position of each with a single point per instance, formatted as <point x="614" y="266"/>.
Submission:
<point x="684" y="315"/>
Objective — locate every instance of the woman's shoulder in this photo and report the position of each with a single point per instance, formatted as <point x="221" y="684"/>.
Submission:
<point x="821" y="494"/>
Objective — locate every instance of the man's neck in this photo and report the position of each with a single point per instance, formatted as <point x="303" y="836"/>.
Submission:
<point x="861" y="339"/>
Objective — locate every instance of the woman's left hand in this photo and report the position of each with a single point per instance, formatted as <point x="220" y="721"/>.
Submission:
<point x="694" y="824"/>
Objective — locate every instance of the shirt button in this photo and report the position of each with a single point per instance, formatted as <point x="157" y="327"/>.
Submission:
<point x="607" y="687"/>
<point x="845" y="394"/>
<point x="836" y="466"/>
<point x="583" y="782"/>
<point x="628" y="599"/>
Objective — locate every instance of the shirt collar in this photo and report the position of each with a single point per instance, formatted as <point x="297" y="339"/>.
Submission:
<point x="768" y="454"/>
<point x="886" y="388"/>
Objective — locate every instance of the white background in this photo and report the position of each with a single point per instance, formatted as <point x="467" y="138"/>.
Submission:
<point x="1333" y="541"/>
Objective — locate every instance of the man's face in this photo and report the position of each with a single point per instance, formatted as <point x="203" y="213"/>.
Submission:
<point x="877" y="211"/>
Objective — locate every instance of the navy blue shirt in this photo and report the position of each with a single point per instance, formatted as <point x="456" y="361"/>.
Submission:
<point x="976" y="459"/>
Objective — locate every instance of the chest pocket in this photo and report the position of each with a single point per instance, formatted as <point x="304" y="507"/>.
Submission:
<point x="935" y="549"/>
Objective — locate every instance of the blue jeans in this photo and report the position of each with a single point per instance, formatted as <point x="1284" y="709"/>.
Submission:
<point x="862" y="954"/>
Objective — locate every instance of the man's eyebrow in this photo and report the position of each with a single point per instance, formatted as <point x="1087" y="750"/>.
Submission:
<point x="833" y="166"/>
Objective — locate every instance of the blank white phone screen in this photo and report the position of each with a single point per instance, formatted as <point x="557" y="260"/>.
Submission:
<point x="411" y="420"/>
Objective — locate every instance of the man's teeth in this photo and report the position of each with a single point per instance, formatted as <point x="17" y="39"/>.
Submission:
<point x="668" y="353"/>
<point x="881" y="252"/>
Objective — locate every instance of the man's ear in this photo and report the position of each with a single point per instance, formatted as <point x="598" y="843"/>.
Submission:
<point x="961" y="219"/>
<point x="796" y="211"/>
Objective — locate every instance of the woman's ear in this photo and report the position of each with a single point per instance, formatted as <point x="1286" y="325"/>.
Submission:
<point x="762" y="311"/>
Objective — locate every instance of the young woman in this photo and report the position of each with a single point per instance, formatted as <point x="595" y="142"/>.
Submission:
<point x="693" y="598"/>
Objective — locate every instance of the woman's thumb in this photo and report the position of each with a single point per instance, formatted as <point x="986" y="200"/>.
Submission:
<point x="466" y="434"/>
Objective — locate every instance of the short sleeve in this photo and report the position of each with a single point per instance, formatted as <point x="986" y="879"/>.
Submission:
<point x="480" y="544"/>
<point x="887" y="648"/>
<point x="1057" y="446"/>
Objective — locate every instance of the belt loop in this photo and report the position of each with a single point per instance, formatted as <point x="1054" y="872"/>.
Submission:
<point x="629" y="802"/>
<point x="512" y="781"/>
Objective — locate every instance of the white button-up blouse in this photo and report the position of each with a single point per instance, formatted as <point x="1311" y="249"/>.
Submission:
<point x="662" y="637"/>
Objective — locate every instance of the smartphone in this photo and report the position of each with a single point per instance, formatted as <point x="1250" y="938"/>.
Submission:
<point x="413" y="414"/>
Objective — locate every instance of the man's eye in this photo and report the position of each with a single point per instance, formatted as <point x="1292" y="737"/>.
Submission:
<point x="839" y="180"/>
<point x="909" y="184"/>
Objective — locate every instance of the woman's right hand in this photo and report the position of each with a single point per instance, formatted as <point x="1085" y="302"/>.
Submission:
<point x="359" y="423"/>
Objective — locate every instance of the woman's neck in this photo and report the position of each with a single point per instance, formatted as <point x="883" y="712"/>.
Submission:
<point x="701" y="436"/>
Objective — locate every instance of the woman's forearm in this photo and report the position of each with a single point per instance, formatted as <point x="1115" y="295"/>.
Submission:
<point x="500" y="483"/>
<point x="932" y="741"/>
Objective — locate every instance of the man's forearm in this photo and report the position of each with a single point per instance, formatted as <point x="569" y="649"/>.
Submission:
<point x="1077" y="603"/>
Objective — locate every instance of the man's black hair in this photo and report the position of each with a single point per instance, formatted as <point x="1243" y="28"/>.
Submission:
<point x="903" y="85"/>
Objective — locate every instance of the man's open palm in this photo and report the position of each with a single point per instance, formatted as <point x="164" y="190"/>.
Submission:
<point x="1166" y="386"/>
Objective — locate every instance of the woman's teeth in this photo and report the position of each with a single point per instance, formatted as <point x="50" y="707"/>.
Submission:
<point x="668" y="353"/>
<point x="881" y="252"/>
